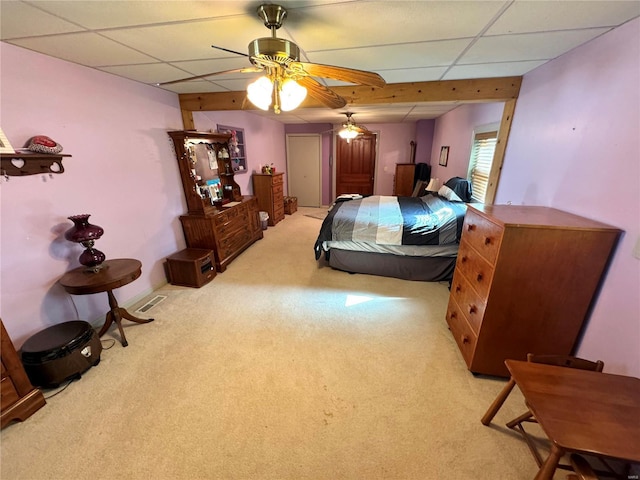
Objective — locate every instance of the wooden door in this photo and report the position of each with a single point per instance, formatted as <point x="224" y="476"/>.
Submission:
<point x="355" y="165"/>
<point x="303" y="168"/>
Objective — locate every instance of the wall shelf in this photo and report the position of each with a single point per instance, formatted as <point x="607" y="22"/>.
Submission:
<point x="30" y="163"/>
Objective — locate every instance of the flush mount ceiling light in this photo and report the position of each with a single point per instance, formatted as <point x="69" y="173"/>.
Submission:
<point x="285" y="80"/>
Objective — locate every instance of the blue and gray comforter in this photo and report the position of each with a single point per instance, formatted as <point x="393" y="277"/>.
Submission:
<point x="386" y="220"/>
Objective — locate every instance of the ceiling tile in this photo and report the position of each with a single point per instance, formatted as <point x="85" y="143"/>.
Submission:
<point x="194" y="86"/>
<point x="527" y="16"/>
<point x="19" y="19"/>
<point x="192" y="40"/>
<point x="111" y="14"/>
<point x="488" y="70"/>
<point x="147" y="73"/>
<point x="526" y="47"/>
<point x="88" y="49"/>
<point x="358" y="24"/>
<point x="413" y="55"/>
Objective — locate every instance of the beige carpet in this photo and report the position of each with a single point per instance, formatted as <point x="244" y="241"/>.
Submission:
<point x="278" y="369"/>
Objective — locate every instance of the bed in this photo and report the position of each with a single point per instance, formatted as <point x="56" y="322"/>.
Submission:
<point x="413" y="238"/>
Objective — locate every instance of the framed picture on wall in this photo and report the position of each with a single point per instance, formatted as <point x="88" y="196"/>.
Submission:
<point x="444" y="156"/>
<point x="5" y="146"/>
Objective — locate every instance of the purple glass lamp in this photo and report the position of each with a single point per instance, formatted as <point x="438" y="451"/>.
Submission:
<point x="86" y="234"/>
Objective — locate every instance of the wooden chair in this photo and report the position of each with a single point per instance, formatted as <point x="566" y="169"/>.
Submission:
<point x="560" y="361"/>
<point x="582" y="469"/>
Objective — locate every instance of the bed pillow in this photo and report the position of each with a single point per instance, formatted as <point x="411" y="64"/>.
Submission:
<point x="449" y="194"/>
<point x="461" y="187"/>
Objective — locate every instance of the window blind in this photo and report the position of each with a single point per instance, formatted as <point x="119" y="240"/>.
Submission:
<point x="484" y="145"/>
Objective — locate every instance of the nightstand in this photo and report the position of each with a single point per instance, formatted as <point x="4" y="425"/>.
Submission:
<point x="191" y="267"/>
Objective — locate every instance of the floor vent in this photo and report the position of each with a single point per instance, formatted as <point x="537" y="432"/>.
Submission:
<point x="151" y="303"/>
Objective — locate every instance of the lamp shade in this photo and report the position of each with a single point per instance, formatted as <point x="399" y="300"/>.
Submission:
<point x="82" y="230"/>
<point x="260" y="92"/>
<point x="348" y="133"/>
<point x="292" y="95"/>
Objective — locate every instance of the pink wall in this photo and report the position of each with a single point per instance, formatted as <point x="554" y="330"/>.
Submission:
<point x="575" y="146"/>
<point x="455" y="129"/>
<point x="393" y="147"/>
<point x="264" y="141"/>
<point x="122" y="171"/>
<point x="424" y="140"/>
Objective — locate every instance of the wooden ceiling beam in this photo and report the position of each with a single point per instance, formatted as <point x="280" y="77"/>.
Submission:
<point x="498" y="89"/>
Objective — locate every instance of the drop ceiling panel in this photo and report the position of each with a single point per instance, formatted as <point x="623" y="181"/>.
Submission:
<point x="110" y="14"/>
<point x="18" y="19"/>
<point x="194" y="86"/>
<point x="528" y="16"/>
<point x="426" y="54"/>
<point x="532" y="46"/>
<point x="190" y="41"/>
<point x="88" y="49"/>
<point x="358" y="24"/>
<point x="144" y="73"/>
<point x="488" y="70"/>
<point x="201" y="67"/>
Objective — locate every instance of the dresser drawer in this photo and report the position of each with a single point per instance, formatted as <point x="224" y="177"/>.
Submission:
<point x="468" y="300"/>
<point x="278" y="192"/>
<point x="461" y="331"/>
<point x="475" y="269"/>
<point x="277" y="180"/>
<point x="482" y="235"/>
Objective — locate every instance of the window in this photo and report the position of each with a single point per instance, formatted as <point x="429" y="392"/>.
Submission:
<point x="484" y="145"/>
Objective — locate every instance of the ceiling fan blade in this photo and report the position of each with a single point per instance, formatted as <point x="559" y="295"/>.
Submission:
<point x="351" y="75"/>
<point x="322" y="93"/>
<point x="236" y="70"/>
<point x="230" y="51"/>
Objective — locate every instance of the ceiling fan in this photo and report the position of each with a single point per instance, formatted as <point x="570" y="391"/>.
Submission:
<point x="350" y="129"/>
<point x="286" y="79"/>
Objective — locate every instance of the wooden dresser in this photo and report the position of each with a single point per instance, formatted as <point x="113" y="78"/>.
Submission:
<point x="269" y="191"/>
<point x="403" y="184"/>
<point x="228" y="231"/>
<point x="524" y="282"/>
<point x="19" y="399"/>
<point x="219" y="217"/>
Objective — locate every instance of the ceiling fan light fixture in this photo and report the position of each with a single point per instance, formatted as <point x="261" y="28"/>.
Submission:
<point x="292" y="94"/>
<point x="348" y="133"/>
<point x="260" y="92"/>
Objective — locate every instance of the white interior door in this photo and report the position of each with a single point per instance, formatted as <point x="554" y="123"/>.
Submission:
<point x="304" y="168"/>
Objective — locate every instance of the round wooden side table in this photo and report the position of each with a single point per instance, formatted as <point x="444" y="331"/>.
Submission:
<point x="113" y="274"/>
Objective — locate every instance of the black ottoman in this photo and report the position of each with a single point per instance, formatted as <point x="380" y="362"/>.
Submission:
<point x="60" y="353"/>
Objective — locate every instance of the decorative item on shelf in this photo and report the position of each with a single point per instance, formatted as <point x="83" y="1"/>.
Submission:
<point x="5" y="146"/>
<point x="268" y="169"/>
<point x="43" y="144"/>
<point x="86" y="234"/>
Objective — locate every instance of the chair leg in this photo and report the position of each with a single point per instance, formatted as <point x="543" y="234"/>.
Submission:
<point x="529" y="441"/>
<point x="497" y="403"/>
<point x="522" y="418"/>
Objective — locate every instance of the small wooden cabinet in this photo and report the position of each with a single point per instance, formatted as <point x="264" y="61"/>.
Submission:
<point x="191" y="267"/>
<point x="405" y="173"/>
<point x="228" y="232"/>
<point x="524" y="282"/>
<point x="19" y="399"/>
<point x="269" y="190"/>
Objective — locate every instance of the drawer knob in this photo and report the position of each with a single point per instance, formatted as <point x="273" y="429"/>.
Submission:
<point x="453" y="315"/>
<point x="458" y="288"/>
<point x="463" y="259"/>
<point x="473" y="309"/>
<point x="487" y="240"/>
<point x="479" y="277"/>
<point x="465" y="339"/>
<point x="471" y="227"/>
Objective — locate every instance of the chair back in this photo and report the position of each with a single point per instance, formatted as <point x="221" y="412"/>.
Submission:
<point x="566" y="361"/>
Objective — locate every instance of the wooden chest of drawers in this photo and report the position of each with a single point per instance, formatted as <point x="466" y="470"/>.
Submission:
<point x="269" y="189"/>
<point x="18" y="397"/>
<point x="524" y="282"/>
<point x="227" y="232"/>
